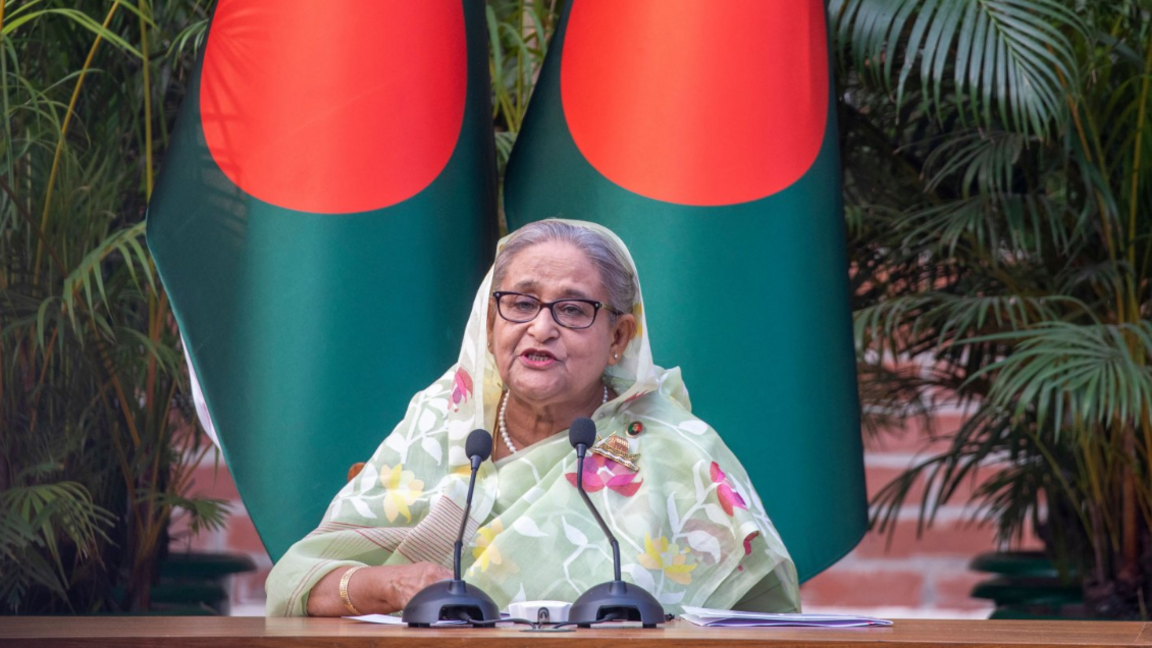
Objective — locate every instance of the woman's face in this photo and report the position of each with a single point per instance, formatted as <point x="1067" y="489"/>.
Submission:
<point x="541" y="362"/>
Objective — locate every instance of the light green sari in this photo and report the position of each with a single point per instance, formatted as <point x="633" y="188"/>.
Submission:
<point x="691" y="528"/>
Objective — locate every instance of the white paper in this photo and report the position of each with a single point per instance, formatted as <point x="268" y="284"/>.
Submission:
<point x="388" y="619"/>
<point x="734" y="619"/>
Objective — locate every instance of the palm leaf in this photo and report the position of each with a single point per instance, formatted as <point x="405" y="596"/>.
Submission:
<point x="89" y="271"/>
<point x="1097" y="374"/>
<point x="76" y="16"/>
<point x="992" y="223"/>
<point x="1013" y="58"/>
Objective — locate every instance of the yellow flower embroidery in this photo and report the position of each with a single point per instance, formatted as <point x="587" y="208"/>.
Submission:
<point x="403" y="490"/>
<point x="485" y="552"/>
<point x="661" y="555"/>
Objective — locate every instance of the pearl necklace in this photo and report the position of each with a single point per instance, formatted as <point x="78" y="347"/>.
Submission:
<point x="504" y="424"/>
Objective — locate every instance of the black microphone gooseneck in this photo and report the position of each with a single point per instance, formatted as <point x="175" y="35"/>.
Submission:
<point x="614" y="599"/>
<point x="454" y="599"/>
<point x="478" y="447"/>
<point x="582" y="435"/>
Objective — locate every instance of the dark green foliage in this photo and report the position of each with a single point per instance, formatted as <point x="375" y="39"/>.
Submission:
<point x="999" y="195"/>
<point x="96" y="436"/>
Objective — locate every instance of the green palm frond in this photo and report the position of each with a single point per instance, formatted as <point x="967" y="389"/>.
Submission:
<point x="20" y="18"/>
<point x="1081" y="375"/>
<point x="202" y="513"/>
<point x="992" y="223"/>
<point x="885" y="327"/>
<point x="962" y="316"/>
<point x="1013" y="59"/>
<point x="941" y="319"/>
<point x="37" y="517"/>
<point x="89" y="271"/>
<point x="942" y="473"/>
<point x="976" y="161"/>
<point x="190" y="39"/>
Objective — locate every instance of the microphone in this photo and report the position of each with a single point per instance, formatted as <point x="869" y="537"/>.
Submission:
<point x="454" y="599"/>
<point x="582" y="435"/>
<point x="478" y="447"/>
<point x="614" y="600"/>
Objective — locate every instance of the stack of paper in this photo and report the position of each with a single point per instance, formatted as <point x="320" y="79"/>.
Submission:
<point x="732" y="619"/>
<point x="388" y="619"/>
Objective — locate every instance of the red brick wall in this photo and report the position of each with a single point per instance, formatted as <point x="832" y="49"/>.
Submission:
<point x="238" y="536"/>
<point x="900" y="576"/>
<point x="905" y="574"/>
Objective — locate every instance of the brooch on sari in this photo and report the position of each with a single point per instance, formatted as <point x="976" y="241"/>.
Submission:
<point x="617" y="449"/>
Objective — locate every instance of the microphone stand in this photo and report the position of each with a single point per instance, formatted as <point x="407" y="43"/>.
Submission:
<point x="599" y="519"/>
<point x="615" y="599"/>
<point x="454" y="599"/>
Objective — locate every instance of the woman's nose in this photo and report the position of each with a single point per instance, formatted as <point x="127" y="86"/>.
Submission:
<point x="544" y="326"/>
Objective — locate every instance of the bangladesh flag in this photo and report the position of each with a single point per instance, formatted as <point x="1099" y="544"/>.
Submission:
<point x="703" y="133"/>
<point x="324" y="214"/>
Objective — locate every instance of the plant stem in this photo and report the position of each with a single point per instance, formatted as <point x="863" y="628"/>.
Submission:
<point x="39" y="233"/>
<point x="1101" y="205"/>
<point x="63" y="137"/>
<point x="1133" y="200"/>
<point x="146" y="59"/>
<point x="40" y="382"/>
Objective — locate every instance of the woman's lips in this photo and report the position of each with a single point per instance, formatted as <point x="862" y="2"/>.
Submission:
<point x="537" y="359"/>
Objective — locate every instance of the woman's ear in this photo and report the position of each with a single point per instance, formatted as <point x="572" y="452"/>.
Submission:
<point x="622" y="332"/>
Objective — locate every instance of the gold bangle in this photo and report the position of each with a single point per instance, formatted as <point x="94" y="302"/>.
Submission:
<point x="344" y="589"/>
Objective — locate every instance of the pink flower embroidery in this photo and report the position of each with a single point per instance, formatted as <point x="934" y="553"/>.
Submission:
<point x="729" y="498"/>
<point x="600" y="471"/>
<point x="638" y="395"/>
<point x="462" y="389"/>
<point x="748" y="547"/>
<point x="748" y="542"/>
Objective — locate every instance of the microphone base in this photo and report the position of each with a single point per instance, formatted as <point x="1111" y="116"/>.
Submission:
<point x="448" y="600"/>
<point x="627" y="601"/>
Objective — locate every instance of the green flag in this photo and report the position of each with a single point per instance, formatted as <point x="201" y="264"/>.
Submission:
<point x="703" y="133"/>
<point x="324" y="212"/>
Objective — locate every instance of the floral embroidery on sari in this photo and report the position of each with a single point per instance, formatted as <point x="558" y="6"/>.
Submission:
<point x="403" y="490"/>
<point x="662" y="556"/>
<point x="685" y="526"/>
<point x="601" y="472"/>
<point x="729" y="498"/>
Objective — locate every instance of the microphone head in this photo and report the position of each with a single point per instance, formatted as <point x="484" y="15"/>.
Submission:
<point x="479" y="444"/>
<point x="582" y="432"/>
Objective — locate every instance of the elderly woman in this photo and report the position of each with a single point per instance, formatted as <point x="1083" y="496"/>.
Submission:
<point x="556" y="332"/>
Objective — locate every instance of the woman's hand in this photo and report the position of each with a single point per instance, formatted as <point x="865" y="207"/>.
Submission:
<point x="374" y="590"/>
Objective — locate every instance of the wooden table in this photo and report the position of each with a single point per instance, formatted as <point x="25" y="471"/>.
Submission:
<point x="227" y="632"/>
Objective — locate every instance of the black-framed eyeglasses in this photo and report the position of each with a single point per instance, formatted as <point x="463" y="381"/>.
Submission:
<point x="569" y="313"/>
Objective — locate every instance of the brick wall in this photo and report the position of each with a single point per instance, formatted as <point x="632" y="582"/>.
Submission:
<point x="906" y="574"/>
<point x="238" y="536"/>
<point x="898" y="576"/>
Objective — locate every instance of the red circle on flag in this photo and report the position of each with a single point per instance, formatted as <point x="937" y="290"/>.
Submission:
<point x="334" y="107"/>
<point x="697" y="102"/>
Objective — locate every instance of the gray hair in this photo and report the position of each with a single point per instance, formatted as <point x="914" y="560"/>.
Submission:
<point x="615" y="272"/>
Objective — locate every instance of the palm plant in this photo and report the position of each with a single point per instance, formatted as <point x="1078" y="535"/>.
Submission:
<point x="518" y="35"/>
<point x="95" y="438"/>
<point x="999" y="194"/>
